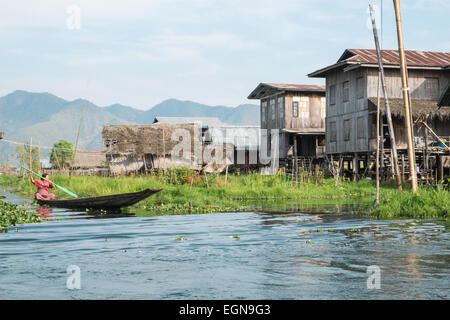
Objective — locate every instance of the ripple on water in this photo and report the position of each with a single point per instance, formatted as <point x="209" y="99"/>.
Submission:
<point x="248" y="255"/>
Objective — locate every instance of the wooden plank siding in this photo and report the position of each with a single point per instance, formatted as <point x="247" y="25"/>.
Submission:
<point x="277" y="112"/>
<point x="424" y="84"/>
<point x="349" y="114"/>
<point x="355" y="126"/>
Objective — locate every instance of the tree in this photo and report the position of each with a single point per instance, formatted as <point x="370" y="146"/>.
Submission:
<point x="61" y="154"/>
<point x="23" y="155"/>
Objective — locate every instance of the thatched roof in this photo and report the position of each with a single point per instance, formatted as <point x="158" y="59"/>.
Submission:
<point x="145" y="139"/>
<point x="90" y="158"/>
<point x="420" y="108"/>
<point x="268" y="89"/>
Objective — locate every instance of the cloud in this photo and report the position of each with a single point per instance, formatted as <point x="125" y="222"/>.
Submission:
<point x="144" y="51"/>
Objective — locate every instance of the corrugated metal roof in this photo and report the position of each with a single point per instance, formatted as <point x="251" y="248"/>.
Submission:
<point x="239" y="136"/>
<point x="268" y="89"/>
<point x="204" y="122"/>
<point x="414" y="58"/>
<point x="391" y="57"/>
<point x="313" y="131"/>
<point x="301" y="87"/>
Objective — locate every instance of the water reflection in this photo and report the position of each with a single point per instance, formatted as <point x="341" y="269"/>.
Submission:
<point x="44" y="212"/>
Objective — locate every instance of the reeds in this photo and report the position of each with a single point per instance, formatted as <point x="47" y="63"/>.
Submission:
<point x="187" y="191"/>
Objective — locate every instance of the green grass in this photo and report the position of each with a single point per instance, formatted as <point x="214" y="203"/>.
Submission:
<point x="244" y="192"/>
<point x="426" y="203"/>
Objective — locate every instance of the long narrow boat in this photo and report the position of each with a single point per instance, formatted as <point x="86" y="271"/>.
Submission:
<point x="114" y="201"/>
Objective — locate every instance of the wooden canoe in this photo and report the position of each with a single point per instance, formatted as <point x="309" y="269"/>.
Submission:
<point x="114" y="201"/>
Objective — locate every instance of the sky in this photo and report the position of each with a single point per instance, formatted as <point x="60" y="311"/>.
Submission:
<point x="139" y="53"/>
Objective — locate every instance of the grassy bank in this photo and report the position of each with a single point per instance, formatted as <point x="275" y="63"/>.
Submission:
<point x="242" y="192"/>
<point x="426" y="203"/>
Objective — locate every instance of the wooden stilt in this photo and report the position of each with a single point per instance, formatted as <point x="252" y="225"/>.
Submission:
<point x="355" y="167"/>
<point x="440" y="163"/>
<point x="295" y="161"/>
<point x="403" y="167"/>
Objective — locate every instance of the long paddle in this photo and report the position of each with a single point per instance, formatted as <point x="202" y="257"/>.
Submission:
<point x="59" y="187"/>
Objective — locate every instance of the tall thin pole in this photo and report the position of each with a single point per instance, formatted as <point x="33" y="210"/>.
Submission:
<point x="78" y="132"/>
<point x="31" y="153"/>
<point x="164" y="152"/>
<point x="76" y="142"/>
<point x="377" y="161"/>
<point x="39" y="152"/>
<point x="386" y="101"/>
<point x="406" y="99"/>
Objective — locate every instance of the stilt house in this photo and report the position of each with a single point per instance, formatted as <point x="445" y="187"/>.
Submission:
<point x="298" y="112"/>
<point x="352" y="91"/>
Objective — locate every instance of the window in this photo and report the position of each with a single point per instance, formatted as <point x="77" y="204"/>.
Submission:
<point x="360" y="88"/>
<point x="304" y="107"/>
<point x="280" y="108"/>
<point x="263" y="112"/>
<point x="361" y="127"/>
<point x="333" y="132"/>
<point x="272" y="109"/>
<point x="347" y="129"/>
<point x="432" y="88"/>
<point x="345" y="91"/>
<point x="295" y="109"/>
<point x="373" y="126"/>
<point x="333" y="94"/>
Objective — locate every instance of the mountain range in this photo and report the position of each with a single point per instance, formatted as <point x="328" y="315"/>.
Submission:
<point x="46" y="118"/>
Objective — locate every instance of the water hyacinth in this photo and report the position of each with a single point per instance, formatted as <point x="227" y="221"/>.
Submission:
<point x="12" y="214"/>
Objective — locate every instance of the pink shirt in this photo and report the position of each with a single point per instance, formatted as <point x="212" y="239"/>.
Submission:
<point x="43" y="186"/>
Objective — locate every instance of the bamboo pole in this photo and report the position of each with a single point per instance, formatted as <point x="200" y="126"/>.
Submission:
<point x="206" y="179"/>
<point x="39" y="152"/>
<point x="406" y="99"/>
<point x="31" y="153"/>
<point x="164" y="152"/>
<point x="76" y="141"/>
<point x="377" y="161"/>
<point x="226" y="175"/>
<point x="425" y="130"/>
<point x="435" y="135"/>
<point x="386" y="101"/>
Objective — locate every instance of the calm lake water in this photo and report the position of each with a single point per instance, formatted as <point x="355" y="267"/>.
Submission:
<point x="271" y="256"/>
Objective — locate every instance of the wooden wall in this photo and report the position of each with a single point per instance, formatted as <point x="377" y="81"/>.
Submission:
<point x="279" y="114"/>
<point x="418" y="81"/>
<point x="347" y="121"/>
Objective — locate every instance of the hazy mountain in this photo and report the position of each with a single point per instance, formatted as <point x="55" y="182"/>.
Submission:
<point x="22" y="108"/>
<point x="244" y="114"/>
<point x="178" y="108"/>
<point x="126" y="113"/>
<point x="47" y="119"/>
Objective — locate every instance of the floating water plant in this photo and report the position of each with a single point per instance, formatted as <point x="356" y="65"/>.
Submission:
<point x="12" y="214"/>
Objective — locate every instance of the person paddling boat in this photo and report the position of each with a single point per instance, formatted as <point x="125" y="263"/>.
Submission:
<point x="43" y="186"/>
